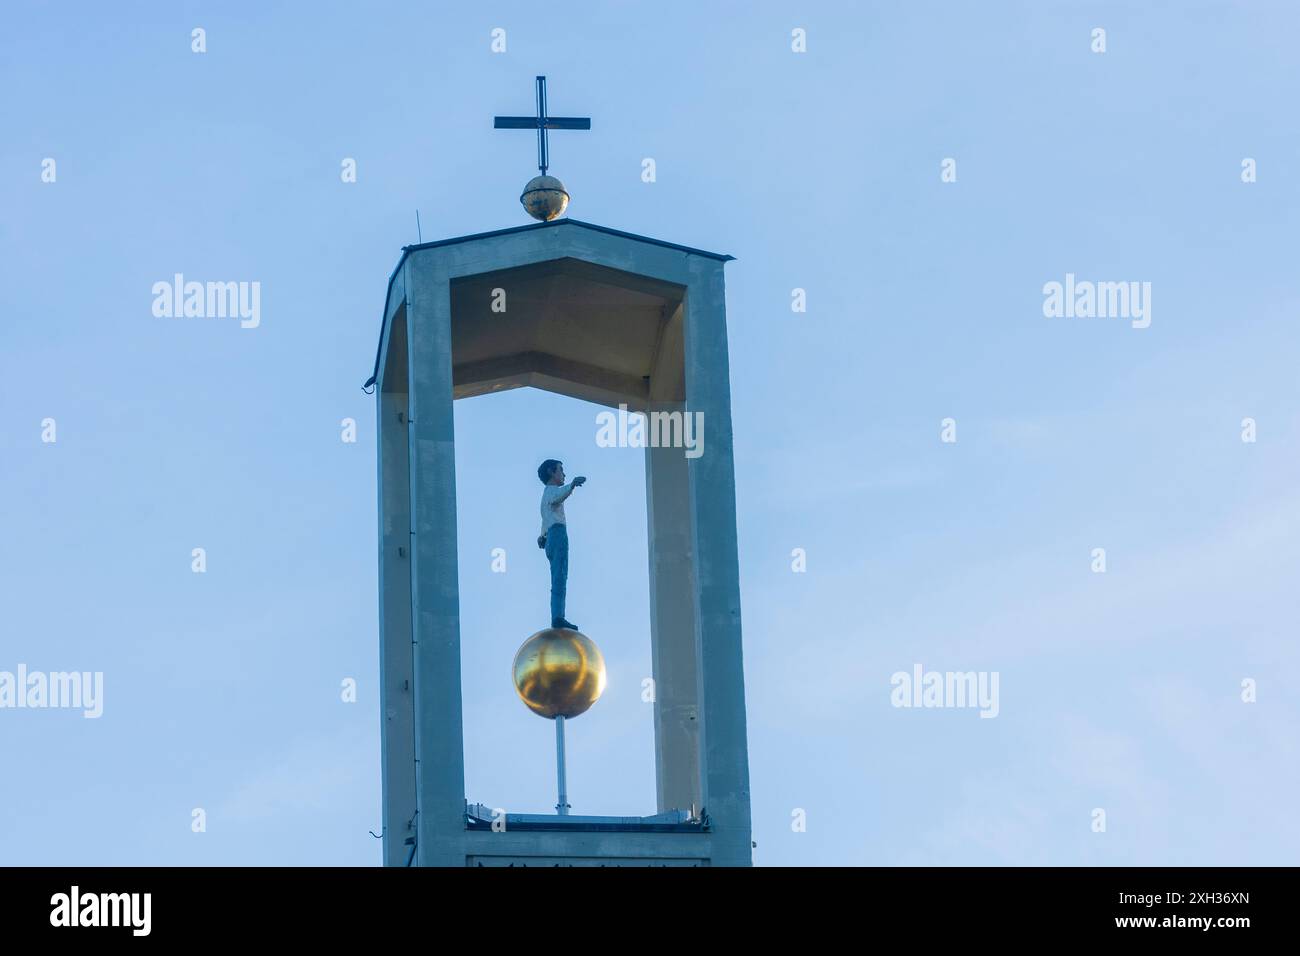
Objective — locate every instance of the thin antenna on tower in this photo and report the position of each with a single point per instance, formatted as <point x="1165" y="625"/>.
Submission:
<point x="418" y="233"/>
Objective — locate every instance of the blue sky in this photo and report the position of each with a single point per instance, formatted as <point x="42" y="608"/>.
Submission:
<point x="818" y="170"/>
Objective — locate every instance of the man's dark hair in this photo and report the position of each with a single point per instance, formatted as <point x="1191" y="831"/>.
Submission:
<point x="546" y="469"/>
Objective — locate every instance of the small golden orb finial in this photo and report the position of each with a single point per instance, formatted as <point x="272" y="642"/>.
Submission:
<point x="545" y="198"/>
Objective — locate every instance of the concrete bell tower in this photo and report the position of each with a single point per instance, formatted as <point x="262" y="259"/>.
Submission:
<point x="612" y="318"/>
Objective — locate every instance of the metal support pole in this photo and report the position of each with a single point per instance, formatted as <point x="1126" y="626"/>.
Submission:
<point x="562" y="808"/>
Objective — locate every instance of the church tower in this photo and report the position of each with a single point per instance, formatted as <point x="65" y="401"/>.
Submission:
<point x="644" y="325"/>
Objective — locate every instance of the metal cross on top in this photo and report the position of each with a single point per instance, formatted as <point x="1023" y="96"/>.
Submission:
<point x="541" y="122"/>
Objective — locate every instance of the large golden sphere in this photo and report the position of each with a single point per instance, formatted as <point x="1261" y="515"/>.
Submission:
<point x="559" y="673"/>
<point x="545" y="198"/>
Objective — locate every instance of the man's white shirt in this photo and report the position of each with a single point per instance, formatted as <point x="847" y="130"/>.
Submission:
<point x="553" y="505"/>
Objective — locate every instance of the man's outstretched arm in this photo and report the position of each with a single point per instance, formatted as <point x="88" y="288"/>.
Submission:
<point x="568" y="490"/>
